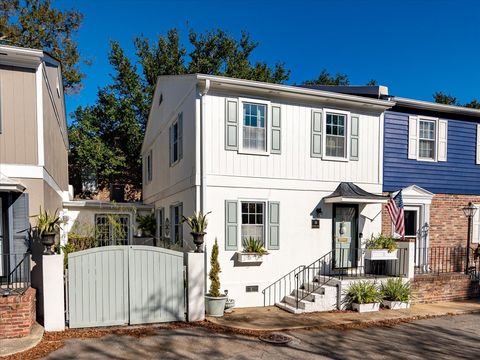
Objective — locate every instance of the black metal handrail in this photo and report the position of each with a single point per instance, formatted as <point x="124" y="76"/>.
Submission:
<point x="280" y="288"/>
<point x="15" y="274"/>
<point x="440" y="259"/>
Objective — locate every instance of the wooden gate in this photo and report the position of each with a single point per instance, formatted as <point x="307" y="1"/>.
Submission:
<point x="119" y="285"/>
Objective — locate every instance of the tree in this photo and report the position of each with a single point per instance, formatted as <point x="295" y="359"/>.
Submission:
<point x="113" y="127"/>
<point x="326" y="79"/>
<point x="35" y="24"/>
<point x="446" y="99"/>
<point x="474" y="104"/>
<point x="372" y="82"/>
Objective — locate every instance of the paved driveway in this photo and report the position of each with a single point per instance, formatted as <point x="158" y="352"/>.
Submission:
<point x="456" y="337"/>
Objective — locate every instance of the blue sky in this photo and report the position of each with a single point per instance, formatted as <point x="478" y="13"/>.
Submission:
<point x="413" y="47"/>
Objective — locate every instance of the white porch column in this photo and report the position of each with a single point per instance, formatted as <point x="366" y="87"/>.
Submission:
<point x="195" y="286"/>
<point x="53" y="293"/>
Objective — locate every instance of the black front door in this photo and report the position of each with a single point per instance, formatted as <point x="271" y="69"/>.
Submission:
<point x="345" y="239"/>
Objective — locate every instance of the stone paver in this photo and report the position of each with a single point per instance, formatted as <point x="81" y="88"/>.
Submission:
<point x="273" y="319"/>
<point x="451" y="337"/>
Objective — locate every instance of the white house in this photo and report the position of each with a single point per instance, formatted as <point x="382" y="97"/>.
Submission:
<point x="296" y="168"/>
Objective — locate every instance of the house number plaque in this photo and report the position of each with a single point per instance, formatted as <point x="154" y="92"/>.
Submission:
<point x="315" y="224"/>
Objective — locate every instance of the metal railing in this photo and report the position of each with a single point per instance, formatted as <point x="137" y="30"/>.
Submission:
<point x="284" y="286"/>
<point x="15" y="275"/>
<point x="344" y="263"/>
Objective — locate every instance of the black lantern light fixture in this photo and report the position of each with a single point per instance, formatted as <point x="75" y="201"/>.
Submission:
<point x="469" y="212"/>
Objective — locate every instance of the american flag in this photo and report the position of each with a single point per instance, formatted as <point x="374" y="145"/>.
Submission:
<point x="395" y="210"/>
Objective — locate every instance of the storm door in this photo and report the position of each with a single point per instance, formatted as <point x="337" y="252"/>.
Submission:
<point x="345" y="235"/>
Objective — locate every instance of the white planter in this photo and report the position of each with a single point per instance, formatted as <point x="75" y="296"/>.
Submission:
<point x="244" y="257"/>
<point x="361" y="308"/>
<point x="395" y="305"/>
<point x="380" y="254"/>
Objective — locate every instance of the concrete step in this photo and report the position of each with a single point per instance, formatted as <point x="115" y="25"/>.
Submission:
<point x="302" y="304"/>
<point x="289" y="308"/>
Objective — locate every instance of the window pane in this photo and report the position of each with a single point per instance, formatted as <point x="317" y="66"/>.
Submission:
<point x="427" y="149"/>
<point x="410" y="222"/>
<point x="244" y="219"/>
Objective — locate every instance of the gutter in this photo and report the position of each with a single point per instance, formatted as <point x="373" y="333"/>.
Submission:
<point x="426" y="105"/>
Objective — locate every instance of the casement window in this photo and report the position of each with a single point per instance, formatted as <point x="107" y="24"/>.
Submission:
<point x="148" y="167"/>
<point x="336" y="135"/>
<point x="255" y="219"/>
<point x="176" y="140"/>
<point x="176" y="215"/>
<point x="112" y="229"/>
<point x="427" y="138"/>
<point x="254" y="127"/>
<point x="160" y="215"/>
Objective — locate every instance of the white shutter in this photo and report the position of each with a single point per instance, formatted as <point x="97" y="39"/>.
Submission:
<point x="442" y="140"/>
<point x="413" y="137"/>
<point x="478" y="144"/>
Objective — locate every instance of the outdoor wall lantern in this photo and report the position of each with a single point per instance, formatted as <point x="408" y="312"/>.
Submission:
<point x="318" y="211"/>
<point x="469" y="212"/>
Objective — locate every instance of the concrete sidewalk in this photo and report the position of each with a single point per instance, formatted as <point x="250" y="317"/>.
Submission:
<point x="16" y="345"/>
<point x="273" y="319"/>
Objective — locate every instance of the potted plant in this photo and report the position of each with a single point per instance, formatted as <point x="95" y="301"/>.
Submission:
<point x="147" y="224"/>
<point x="363" y="296"/>
<point x="253" y="251"/>
<point x="381" y="248"/>
<point x="214" y="300"/>
<point x="198" y="224"/>
<point x="396" y="293"/>
<point x="48" y="226"/>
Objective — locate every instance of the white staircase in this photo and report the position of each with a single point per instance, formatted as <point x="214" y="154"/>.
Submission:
<point x="312" y="297"/>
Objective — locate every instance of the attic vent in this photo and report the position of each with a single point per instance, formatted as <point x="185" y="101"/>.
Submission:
<point x="160" y="100"/>
<point x="251" y="288"/>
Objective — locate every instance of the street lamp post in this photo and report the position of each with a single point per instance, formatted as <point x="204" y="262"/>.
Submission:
<point x="469" y="212"/>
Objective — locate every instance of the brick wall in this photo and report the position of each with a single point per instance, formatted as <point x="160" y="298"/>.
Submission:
<point x="448" y="224"/>
<point x="17" y="314"/>
<point x="443" y="287"/>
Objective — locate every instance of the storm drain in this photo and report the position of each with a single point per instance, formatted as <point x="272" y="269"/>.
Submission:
<point x="276" y="339"/>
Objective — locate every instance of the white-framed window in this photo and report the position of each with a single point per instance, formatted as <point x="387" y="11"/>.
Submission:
<point x="176" y="140"/>
<point x="427" y="139"/>
<point x="112" y="229"/>
<point x="253" y="221"/>
<point x="476" y="225"/>
<point x="254" y="126"/>
<point x="411" y="222"/>
<point x="336" y="130"/>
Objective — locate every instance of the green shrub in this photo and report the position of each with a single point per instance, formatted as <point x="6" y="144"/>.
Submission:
<point x="147" y="223"/>
<point x="382" y="242"/>
<point x="251" y="245"/>
<point x="214" y="271"/>
<point x="396" y="290"/>
<point x="363" y="292"/>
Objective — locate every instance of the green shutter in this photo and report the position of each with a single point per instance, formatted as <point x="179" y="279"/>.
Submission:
<point x="19" y="224"/>
<point x="170" y="144"/>
<point x="276" y="147"/>
<point x="160" y="223"/>
<point x="180" y="228"/>
<point x="231" y="124"/>
<point x="316" y="134"/>
<point x="354" y="133"/>
<point x="274" y="226"/>
<point x="231" y="225"/>
<point x="180" y="136"/>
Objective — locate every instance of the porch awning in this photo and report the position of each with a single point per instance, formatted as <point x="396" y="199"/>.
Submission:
<point x="10" y="185"/>
<point x="348" y="192"/>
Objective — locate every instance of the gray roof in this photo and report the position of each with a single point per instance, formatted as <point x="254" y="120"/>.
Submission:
<point x="350" y="190"/>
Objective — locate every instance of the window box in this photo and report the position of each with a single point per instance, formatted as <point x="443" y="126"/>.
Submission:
<point x="248" y="257"/>
<point x="361" y="308"/>
<point x="380" y="254"/>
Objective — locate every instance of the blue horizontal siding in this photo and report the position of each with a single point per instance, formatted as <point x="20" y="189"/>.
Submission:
<point x="458" y="175"/>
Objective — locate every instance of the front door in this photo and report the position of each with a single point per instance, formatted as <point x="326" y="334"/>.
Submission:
<point x="345" y="235"/>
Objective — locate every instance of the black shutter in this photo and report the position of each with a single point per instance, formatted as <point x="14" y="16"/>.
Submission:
<point x="19" y="225"/>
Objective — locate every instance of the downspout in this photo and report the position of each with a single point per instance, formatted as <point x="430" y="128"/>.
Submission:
<point x="203" y="176"/>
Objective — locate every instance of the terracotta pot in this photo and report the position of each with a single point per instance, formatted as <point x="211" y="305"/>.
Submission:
<point x="198" y="241"/>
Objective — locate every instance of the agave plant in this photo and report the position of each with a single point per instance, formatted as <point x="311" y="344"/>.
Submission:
<point x="363" y="292"/>
<point x="252" y="245"/>
<point x="396" y="290"/>
<point x="197" y="222"/>
<point x="48" y="223"/>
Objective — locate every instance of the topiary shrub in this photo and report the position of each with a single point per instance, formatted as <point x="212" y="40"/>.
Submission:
<point x="214" y="271"/>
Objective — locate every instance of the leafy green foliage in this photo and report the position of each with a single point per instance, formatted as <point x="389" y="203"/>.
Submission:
<point x="197" y="222"/>
<point x="252" y="245"/>
<point x="48" y="223"/>
<point x="396" y="290"/>
<point x="382" y="242"/>
<point x="447" y="99"/>
<point x="106" y="137"/>
<point x="215" y="270"/>
<point x="147" y="223"/>
<point x="363" y="292"/>
<point x="35" y="24"/>
<point x="76" y="242"/>
<point x="326" y="79"/>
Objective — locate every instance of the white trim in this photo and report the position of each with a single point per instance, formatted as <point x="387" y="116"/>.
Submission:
<point x="426" y="105"/>
<point x="267" y="104"/>
<point x="340" y="199"/>
<point x="435" y="147"/>
<point x="39" y="99"/>
<point x="325" y="112"/>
